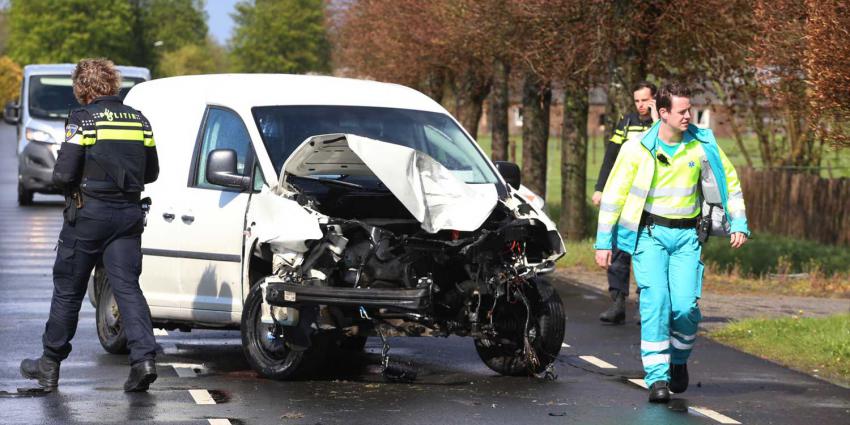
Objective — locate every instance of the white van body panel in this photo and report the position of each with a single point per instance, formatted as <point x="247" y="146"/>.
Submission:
<point x="226" y="225"/>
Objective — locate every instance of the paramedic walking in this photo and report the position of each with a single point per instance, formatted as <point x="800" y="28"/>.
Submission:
<point x="107" y="158"/>
<point x="653" y="202"/>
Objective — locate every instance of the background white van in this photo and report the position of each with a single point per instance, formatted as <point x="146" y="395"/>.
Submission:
<point x="45" y="100"/>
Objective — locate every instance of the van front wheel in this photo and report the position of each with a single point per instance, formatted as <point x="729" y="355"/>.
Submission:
<point x="265" y="345"/>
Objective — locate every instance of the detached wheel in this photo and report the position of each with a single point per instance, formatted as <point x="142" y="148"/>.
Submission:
<point x="265" y="346"/>
<point x="505" y="354"/>
<point x="110" y="331"/>
<point x="24" y="195"/>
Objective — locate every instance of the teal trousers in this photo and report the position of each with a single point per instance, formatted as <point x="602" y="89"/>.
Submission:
<point x="669" y="272"/>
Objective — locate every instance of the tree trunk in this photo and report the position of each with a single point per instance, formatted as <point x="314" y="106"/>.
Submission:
<point x="536" y="100"/>
<point x="573" y="220"/>
<point x="434" y="85"/>
<point x="499" y="102"/>
<point x="470" y="94"/>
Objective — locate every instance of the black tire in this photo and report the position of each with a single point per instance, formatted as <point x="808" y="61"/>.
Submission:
<point x="24" y="195"/>
<point x="271" y="358"/>
<point x="507" y="358"/>
<point x="110" y="331"/>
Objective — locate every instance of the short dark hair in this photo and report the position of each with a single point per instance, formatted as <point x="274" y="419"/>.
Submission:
<point x="645" y="85"/>
<point x="668" y="90"/>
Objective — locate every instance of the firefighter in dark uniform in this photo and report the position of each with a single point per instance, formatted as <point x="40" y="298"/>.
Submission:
<point x="108" y="156"/>
<point x="636" y="122"/>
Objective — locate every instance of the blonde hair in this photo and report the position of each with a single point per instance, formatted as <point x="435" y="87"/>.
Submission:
<point x="94" y="78"/>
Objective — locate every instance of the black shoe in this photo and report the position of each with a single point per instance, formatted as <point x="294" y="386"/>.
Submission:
<point x="616" y="314"/>
<point x="659" y="393"/>
<point x="678" y="378"/>
<point x="142" y="374"/>
<point x="43" y="369"/>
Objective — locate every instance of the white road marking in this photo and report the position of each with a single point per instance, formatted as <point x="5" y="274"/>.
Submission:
<point x="219" y="421"/>
<point x="202" y="397"/>
<point x="639" y="382"/>
<point x="713" y="415"/>
<point x="31" y="271"/>
<point x="160" y="332"/>
<point x="565" y="345"/>
<point x="602" y="364"/>
<point x="185" y="372"/>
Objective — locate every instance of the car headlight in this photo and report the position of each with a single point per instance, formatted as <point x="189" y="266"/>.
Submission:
<point x="34" y="135"/>
<point x="532" y="198"/>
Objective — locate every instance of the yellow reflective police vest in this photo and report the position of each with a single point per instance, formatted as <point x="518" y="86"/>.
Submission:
<point x="630" y="191"/>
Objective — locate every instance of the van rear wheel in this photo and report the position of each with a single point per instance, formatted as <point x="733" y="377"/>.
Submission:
<point x="24" y="195"/>
<point x="265" y="345"/>
<point x="110" y="331"/>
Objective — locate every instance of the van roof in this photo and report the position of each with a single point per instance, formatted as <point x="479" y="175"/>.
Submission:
<point x="68" y="68"/>
<point x="244" y="91"/>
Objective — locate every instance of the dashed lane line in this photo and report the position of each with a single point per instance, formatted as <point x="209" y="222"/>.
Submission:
<point x="219" y="421"/>
<point x="602" y="364"/>
<point x="704" y="411"/>
<point x="202" y="397"/>
<point x="719" y="417"/>
<point x="160" y="332"/>
<point x="565" y="345"/>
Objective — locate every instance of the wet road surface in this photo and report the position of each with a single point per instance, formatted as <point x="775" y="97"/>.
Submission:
<point x="204" y="379"/>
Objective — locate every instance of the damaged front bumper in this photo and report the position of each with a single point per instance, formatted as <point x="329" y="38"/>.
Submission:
<point x="282" y="294"/>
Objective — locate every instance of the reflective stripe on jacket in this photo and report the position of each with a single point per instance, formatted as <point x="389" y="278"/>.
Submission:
<point x="625" y="193"/>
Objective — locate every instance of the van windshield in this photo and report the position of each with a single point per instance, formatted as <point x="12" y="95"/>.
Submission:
<point x="52" y="96"/>
<point x="284" y="128"/>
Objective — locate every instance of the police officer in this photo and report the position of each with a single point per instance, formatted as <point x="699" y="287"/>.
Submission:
<point x="634" y="123"/>
<point x="653" y="202"/>
<point x="108" y="156"/>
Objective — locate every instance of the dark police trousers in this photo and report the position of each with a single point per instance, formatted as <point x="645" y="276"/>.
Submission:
<point x="111" y="231"/>
<point x="620" y="269"/>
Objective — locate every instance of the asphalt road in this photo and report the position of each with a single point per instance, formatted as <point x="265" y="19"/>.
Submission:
<point x="205" y="379"/>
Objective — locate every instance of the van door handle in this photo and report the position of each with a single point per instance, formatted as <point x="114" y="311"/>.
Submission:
<point x="187" y="218"/>
<point x="168" y="216"/>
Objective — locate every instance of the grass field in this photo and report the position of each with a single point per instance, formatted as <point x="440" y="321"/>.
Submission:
<point x="819" y="346"/>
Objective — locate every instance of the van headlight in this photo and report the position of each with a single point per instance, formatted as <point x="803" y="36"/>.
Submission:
<point x="34" y="135"/>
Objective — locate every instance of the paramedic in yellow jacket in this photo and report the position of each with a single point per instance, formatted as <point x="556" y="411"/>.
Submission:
<point x="661" y="182"/>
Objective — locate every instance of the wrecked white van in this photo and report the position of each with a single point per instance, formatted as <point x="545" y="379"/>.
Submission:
<point x="311" y="212"/>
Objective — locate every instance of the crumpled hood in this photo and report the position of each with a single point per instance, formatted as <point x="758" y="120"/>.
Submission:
<point x="427" y="189"/>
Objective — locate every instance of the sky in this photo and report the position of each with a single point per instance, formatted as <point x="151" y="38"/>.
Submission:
<point x="220" y="22"/>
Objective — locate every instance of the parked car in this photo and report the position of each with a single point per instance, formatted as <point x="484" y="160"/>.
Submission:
<point x="46" y="99"/>
<point x="311" y="212"/>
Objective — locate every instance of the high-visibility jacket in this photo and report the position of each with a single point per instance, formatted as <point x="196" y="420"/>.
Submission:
<point x="109" y="151"/>
<point x="624" y="198"/>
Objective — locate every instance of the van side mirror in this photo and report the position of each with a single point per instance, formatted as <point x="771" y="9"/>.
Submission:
<point x="11" y="113"/>
<point x="221" y="170"/>
<point x="510" y="172"/>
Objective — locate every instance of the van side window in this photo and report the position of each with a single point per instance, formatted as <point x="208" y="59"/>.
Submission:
<point x="224" y="130"/>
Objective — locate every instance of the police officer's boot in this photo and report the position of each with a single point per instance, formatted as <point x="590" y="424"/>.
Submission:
<point x="659" y="393"/>
<point x="142" y="374"/>
<point x="615" y="314"/>
<point x="43" y="369"/>
<point x="678" y="378"/>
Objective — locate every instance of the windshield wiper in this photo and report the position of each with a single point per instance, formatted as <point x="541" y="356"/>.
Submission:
<point x="334" y="182"/>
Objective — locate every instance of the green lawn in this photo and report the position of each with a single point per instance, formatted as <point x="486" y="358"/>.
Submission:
<point x="819" y="346"/>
